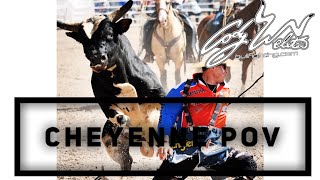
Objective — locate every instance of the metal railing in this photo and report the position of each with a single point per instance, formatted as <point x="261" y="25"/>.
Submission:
<point x="108" y="6"/>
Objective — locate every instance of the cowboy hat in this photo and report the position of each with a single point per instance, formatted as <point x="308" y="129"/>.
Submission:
<point x="202" y="62"/>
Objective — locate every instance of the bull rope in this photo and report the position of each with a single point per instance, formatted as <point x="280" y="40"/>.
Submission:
<point x="255" y="82"/>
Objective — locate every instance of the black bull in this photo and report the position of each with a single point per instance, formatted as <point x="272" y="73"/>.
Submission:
<point x="114" y="62"/>
<point x="117" y="69"/>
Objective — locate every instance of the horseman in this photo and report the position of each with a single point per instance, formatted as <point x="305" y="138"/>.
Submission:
<point x="188" y="28"/>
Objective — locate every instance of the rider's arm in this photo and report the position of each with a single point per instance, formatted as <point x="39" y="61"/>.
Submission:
<point x="168" y="115"/>
<point x="170" y="111"/>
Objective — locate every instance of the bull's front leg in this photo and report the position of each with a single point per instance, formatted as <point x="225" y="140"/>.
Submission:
<point x="141" y="115"/>
<point x="120" y="152"/>
<point x="119" y="117"/>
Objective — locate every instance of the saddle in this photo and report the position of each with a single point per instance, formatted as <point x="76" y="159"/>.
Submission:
<point x="216" y="23"/>
<point x="222" y="17"/>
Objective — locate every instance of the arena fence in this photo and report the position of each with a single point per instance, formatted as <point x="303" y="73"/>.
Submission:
<point x="107" y="6"/>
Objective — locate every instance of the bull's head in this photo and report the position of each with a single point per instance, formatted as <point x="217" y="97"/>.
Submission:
<point x="99" y="36"/>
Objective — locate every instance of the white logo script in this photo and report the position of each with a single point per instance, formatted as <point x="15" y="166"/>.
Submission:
<point x="294" y="39"/>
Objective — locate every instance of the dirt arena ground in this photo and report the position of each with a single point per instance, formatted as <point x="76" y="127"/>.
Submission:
<point x="73" y="80"/>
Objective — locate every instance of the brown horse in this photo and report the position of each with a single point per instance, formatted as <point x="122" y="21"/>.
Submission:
<point x="168" y="40"/>
<point x="245" y="14"/>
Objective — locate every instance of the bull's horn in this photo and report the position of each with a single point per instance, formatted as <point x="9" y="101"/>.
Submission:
<point x="74" y="27"/>
<point x="116" y="15"/>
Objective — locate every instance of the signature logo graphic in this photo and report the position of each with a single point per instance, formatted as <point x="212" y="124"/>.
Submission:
<point x="294" y="39"/>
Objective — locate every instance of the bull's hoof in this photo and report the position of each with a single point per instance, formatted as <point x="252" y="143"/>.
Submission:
<point x="123" y="120"/>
